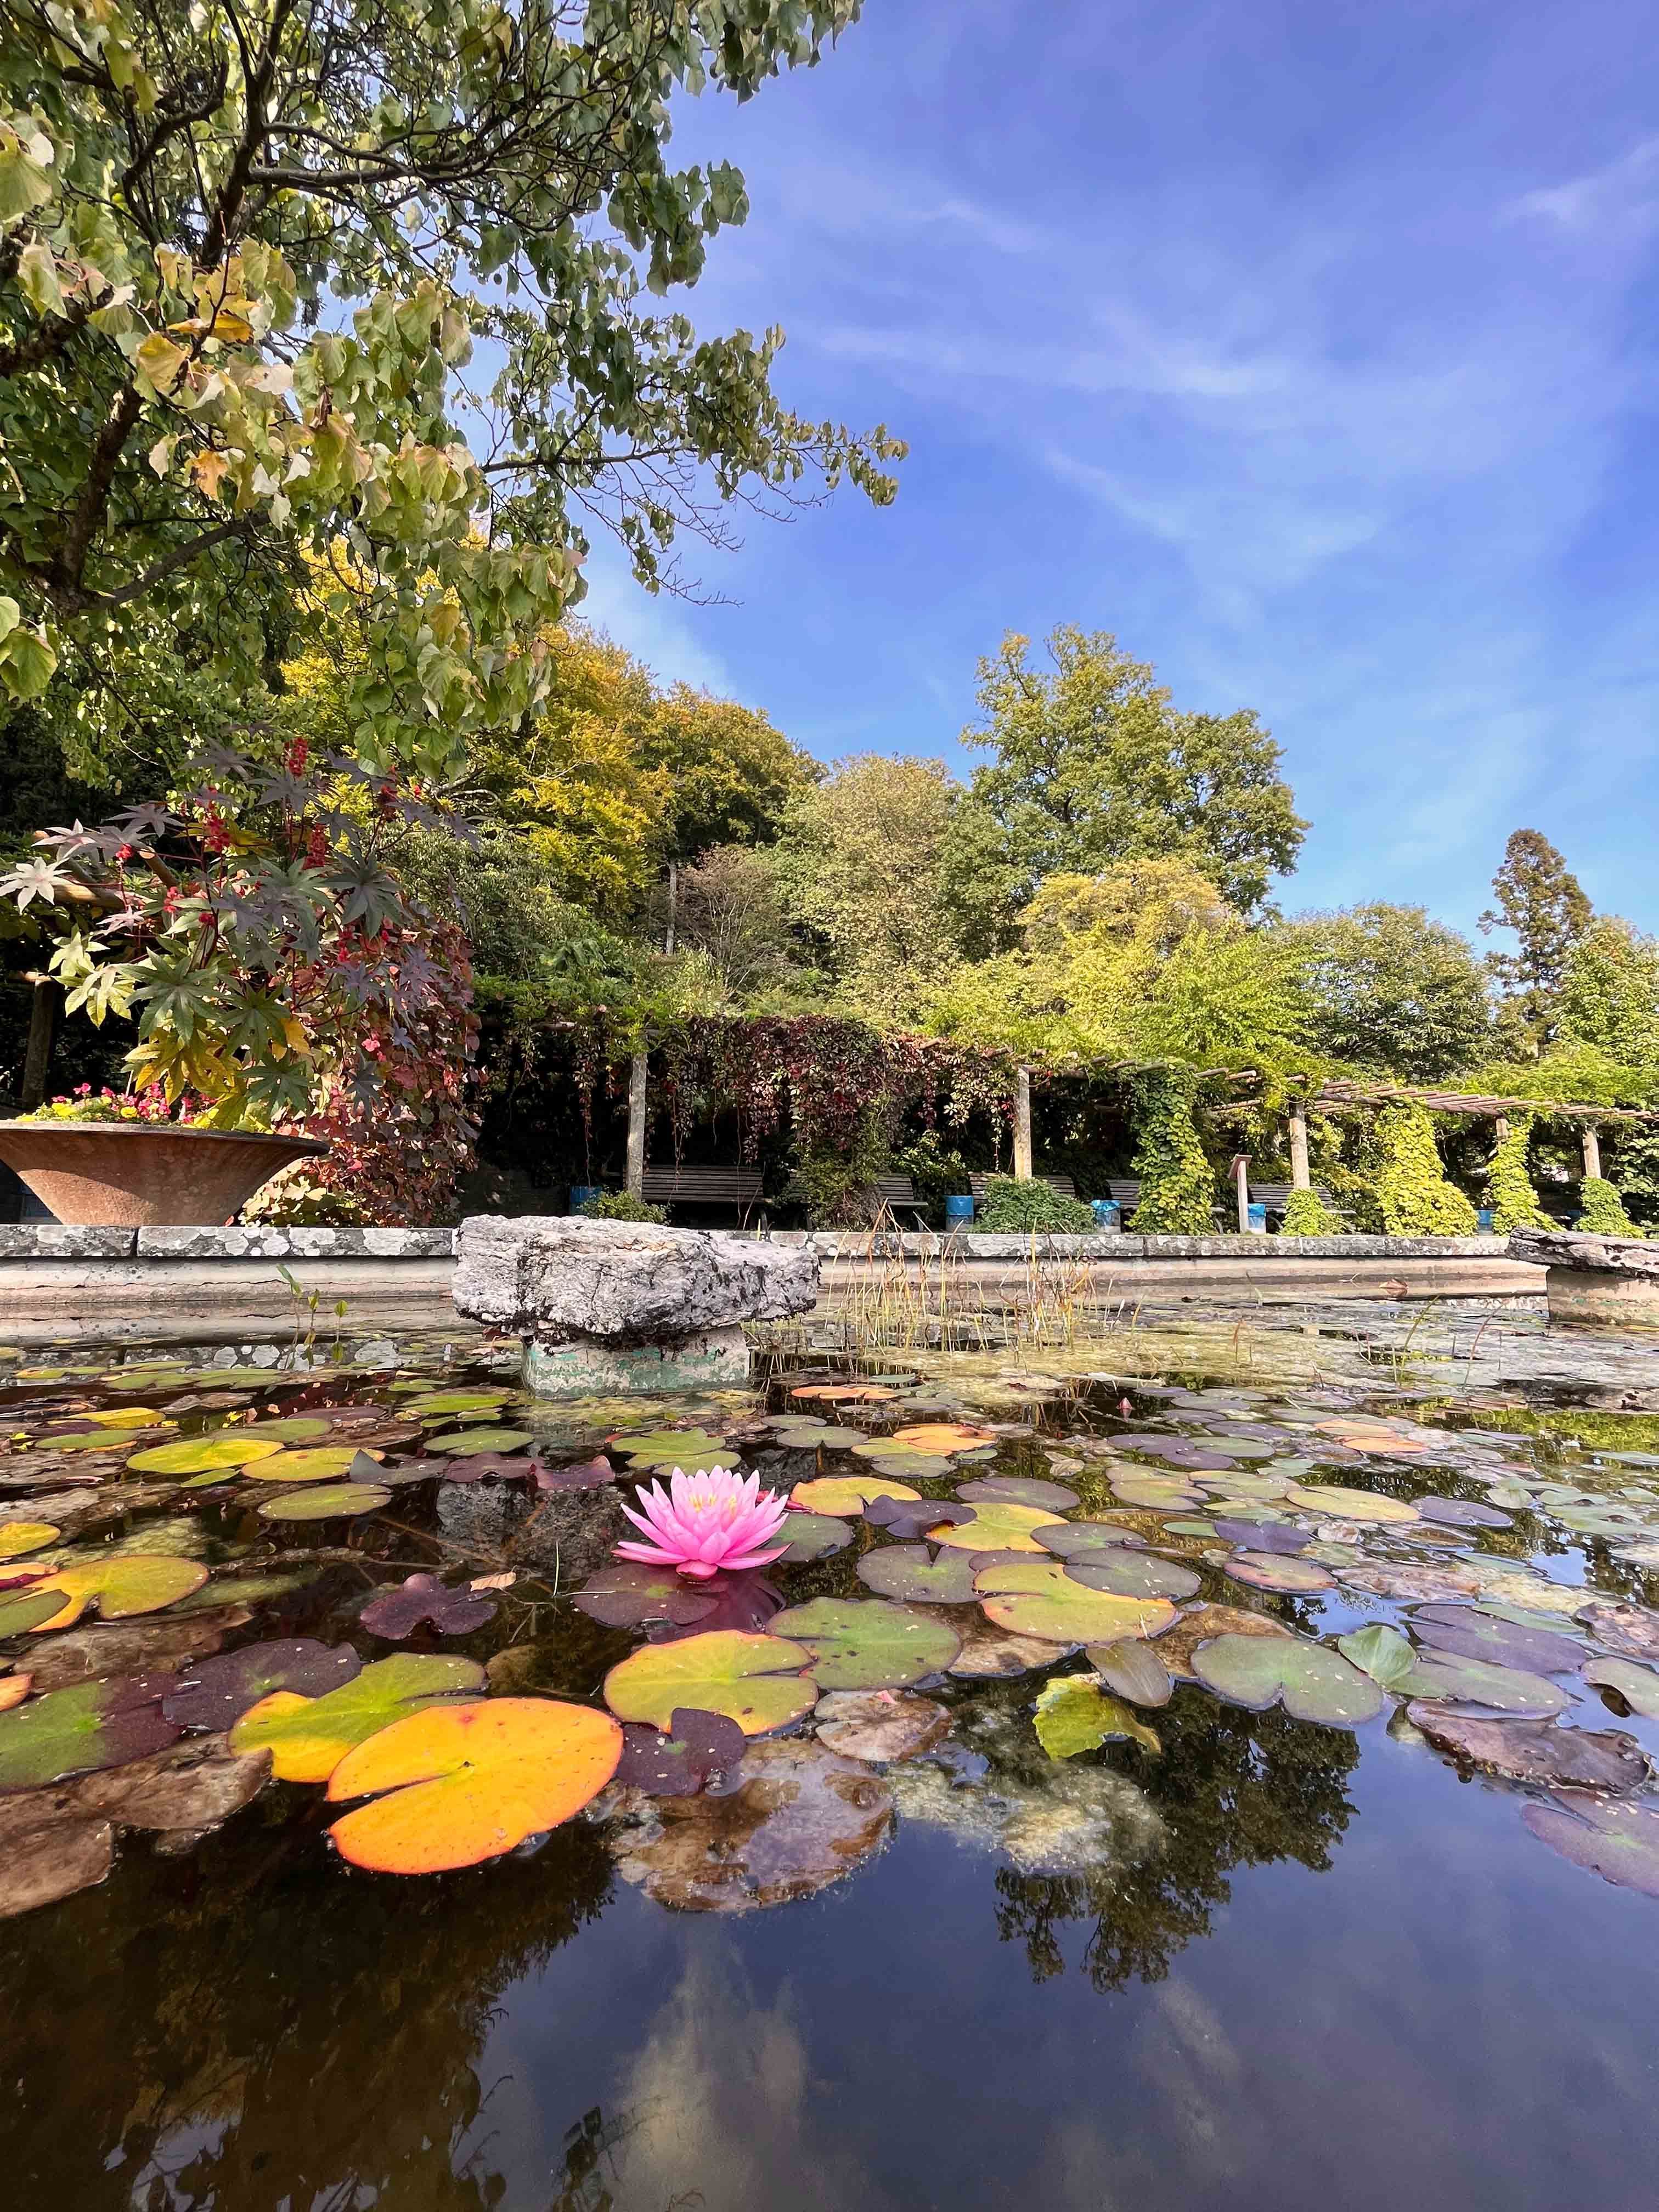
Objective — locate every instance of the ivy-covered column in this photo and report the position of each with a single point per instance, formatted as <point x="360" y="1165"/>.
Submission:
<point x="637" y="1068"/>
<point x="1177" y="1186"/>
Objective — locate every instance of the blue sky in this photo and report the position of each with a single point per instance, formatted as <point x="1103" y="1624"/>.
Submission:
<point x="1308" y="348"/>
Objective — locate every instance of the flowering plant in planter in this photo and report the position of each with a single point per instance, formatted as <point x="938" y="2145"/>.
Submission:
<point x="273" y="968"/>
<point x="83" y="1103"/>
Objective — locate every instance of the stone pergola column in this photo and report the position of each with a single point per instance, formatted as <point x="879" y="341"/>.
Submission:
<point x="636" y="1075"/>
<point x="1023" y="1124"/>
<point x="1300" y="1179"/>
<point x="1592" y="1142"/>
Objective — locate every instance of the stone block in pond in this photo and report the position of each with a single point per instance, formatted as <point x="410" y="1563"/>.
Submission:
<point x="1595" y="1281"/>
<point x="611" y="1306"/>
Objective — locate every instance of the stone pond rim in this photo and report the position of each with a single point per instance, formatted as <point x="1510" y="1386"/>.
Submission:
<point x="145" y="1174"/>
<point x="626" y="1305"/>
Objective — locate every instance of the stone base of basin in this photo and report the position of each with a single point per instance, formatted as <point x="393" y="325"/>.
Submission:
<point x="713" y="1360"/>
<point x="1595" y="1281"/>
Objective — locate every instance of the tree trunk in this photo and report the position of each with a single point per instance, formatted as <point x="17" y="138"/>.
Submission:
<point x="43" y="1019"/>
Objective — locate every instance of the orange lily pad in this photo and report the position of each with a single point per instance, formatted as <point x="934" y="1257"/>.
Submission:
<point x="307" y="1737"/>
<point x="845" y="1494"/>
<point x="121" y="1584"/>
<point x="941" y="1439"/>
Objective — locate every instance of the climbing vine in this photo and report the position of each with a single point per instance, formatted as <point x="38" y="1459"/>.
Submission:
<point x="1177" y="1187"/>
<point x="1604" y="1210"/>
<point x="1306" y="1214"/>
<point x="1509" y="1193"/>
<point x="1413" y="1193"/>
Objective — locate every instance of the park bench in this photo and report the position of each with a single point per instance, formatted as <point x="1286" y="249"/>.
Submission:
<point x="739" y="1187"/>
<point x="897" y="1194"/>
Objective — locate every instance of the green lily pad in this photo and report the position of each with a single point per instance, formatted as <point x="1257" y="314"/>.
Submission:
<point x="119" y="1583"/>
<point x="813" y="1536"/>
<point x="290" y="1429"/>
<point x="692" y="1450"/>
<point x="459" y="1401"/>
<point x="761" y="1682"/>
<point x="1079" y="1540"/>
<point x="1443" y="1676"/>
<point x="868" y="1643"/>
<point x="1131" y="1668"/>
<point x="224" y="1450"/>
<point x="1133" y="1574"/>
<point x="1040" y="1597"/>
<point x="909" y="1573"/>
<point x="323" y="1463"/>
<point x="25" y="1608"/>
<point x="307" y="1737"/>
<point x="1075" y="1714"/>
<point x="1154" y="1491"/>
<point x="1382" y="1653"/>
<point x="1638" y="1686"/>
<point x="995" y="1527"/>
<point x="1019" y="1489"/>
<point x="1314" y="1684"/>
<point x="461" y="1442"/>
<point x="845" y="1494"/>
<point x="77" y="1730"/>
<point x="326" y="1501"/>
<point x="1337" y="1503"/>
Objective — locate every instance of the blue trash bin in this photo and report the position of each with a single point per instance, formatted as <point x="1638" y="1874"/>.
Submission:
<point x="1108" y="1213"/>
<point x="1483" y="1219"/>
<point x="581" y="1192"/>
<point x="959" y="1211"/>
<point x="1258" y="1219"/>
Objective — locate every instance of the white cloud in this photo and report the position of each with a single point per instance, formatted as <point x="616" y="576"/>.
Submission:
<point x="1623" y="196"/>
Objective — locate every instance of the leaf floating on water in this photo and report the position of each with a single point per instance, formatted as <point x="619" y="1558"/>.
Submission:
<point x="1074" y="1714"/>
<point x="804" y="1818"/>
<point x="213" y="1693"/>
<point x="1461" y="1513"/>
<point x="327" y="1501"/>
<point x="119" y="1583"/>
<point x="846" y="1494"/>
<point x="1258" y="1536"/>
<point x="290" y="1428"/>
<point x="324" y="1463"/>
<point x="459" y="1401"/>
<point x="699" y="1750"/>
<point x="1630" y="1630"/>
<point x="910" y="1573"/>
<point x="908" y="1518"/>
<point x="813" y="1536"/>
<point x="1638" y="1686"/>
<point x="461" y="1442"/>
<point x="1131" y="1668"/>
<point x="45" y="1858"/>
<point x="880" y="1726"/>
<point x="1042" y="1598"/>
<point x="398" y="1613"/>
<point x="1155" y="1492"/>
<point x="579" y="1475"/>
<point x="630" y="1593"/>
<point x="307" y="1737"/>
<point x="222" y="1452"/>
<point x="692" y="1451"/>
<point x="1609" y="1837"/>
<point x="995" y="1527"/>
<point x="1133" y="1574"/>
<point x="1335" y="1501"/>
<point x="1269" y="1571"/>
<point x="72" y="1731"/>
<point x="1445" y="1675"/>
<point x="459" y="1784"/>
<point x="1363" y="1434"/>
<point x="940" y="1439"/>
<point x="758" y="1682"/>
<point x="1536" y="1751"/>
<point x="1382" y="1653"/>
<point x="19" y="1538"/>
<point x="1409" y="1582"/>
<point x="868" y="1643"/>
<point x="1077" y="1540"/>
<point x="1313" y="1683"/>
<point x="1475" y="1635"/>
<point x="1019" y="1489"/>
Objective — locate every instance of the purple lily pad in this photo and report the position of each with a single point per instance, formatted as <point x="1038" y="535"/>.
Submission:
<point x="1460" y="1513"/>
<point x="1536" y="1751"/>
<point x="1263" y="1535"/>
<point x="631" y="1593"/>
<point x="701" y="1751"/>
<point x="746" y="1601"/>
<point x="214" y="1694"/>
<point x="583" y="1474"/>
<point x="1263" y="1570"/>
<point x="473" y="1467"/>
<point x="396" y="1613"/>
<point x="1472" y="1635"/>
<point x="909" y="1517"/>
<point x="1610" y="1836"/>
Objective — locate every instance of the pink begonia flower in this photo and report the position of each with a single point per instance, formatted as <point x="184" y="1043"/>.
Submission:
<point x="703" y="1524"/>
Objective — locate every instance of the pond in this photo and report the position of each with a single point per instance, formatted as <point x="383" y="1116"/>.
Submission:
<point x="1209" y="1763"/>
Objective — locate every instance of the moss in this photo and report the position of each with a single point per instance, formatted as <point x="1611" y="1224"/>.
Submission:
<point x="1603" y="1210"/>
<point x="1413" y="1193"/>
<point x="1509" y="1193"/>
<point x="1306" y="1214"/>
<point x="1177" y="1187"/>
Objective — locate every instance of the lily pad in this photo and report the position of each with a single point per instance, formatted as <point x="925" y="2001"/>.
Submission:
<point x="813" y="1536"/>
<point x="760" y="1682"/>
<point x="1382" y="1653"/>
<point x="910" y="1573"/>
<point x="1476" y="1635"/>
<point x="1461" y="1513"/>
<point x="1131" y="1668"/>
<point x="693" y="1450"/>
<point x="1630" y="1630"/>
<point x="214" y="1692"/>
<point x="1609" y="1837"/>
<point x="1134" y="1574"/>
<point x="307" y="1737"/>
<point x="941" y="1439"/>
<point x="1271" y="1571"/>
<point x="909" y="1517"/>
<point x="45" y="1858"/>
<point x="868" y="1643"/>
<point x="880" y="1726"/>
<point x="120" y="1584"/>
<point x="324" y="1463"/>
<point x="1337" y="1502"/>
<point x="460" y="1442"/>
<point x="1536" y="1751"/>
<point x="459" y="1784"/>
<point x="83" y="1655"/>
<point x="1042" y="1598"/>
<point x="459" y="1401"/>
<point x="1445" y="1677"/>
<point x="327" y="1501"/>
<point x="1075" y="1714"/>
<point x="1019" y="1489"/>
<point x="995" y="1527"/>
<point x="1409" y="1582"/>
<point x="72" y="1731"/>
<point x="1315" y="1684"/>
<point x="698" y="1751"/>
<point x="846" y="1494"/>
<point x="221" y="1452"/>
<point x="804" y="1818"/>
<point x="290" y="1428"/>
<point x="1638" y="1686"/>
<point x="1155" y="1492"/>
<point x="19" y="1538"/>
<point x="630" y="1593"/>
<point x="575" y="1474"/>
<point x="1277" y="1536"/>
<point x="396" y="1613"/>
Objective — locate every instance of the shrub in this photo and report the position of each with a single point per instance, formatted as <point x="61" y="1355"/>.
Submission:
<point x="1012" y="1207"/>
<point x="1603" y="1210"/>
<point x="622" y="1205"/>
<point x="1509" y="1193"/>
<point x="1306" y="1214"/>
<point x="1413" y="1193"/>
<point x="1177" y="1188"/>
<point x="297" y="1198"/>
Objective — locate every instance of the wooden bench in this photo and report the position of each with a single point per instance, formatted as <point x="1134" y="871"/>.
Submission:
<point x="736" y="1187"/>
<point x="897" y="1194"/>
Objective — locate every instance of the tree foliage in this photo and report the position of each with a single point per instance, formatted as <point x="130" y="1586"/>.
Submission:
<point x="1094" y="764"/>
<point x="1543" y="904"/>
<point x="1393" y="991"/>
<point x="253" y="258"/>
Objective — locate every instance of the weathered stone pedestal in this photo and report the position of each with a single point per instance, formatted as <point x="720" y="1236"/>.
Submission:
<point x="1594" y="1282"/>
<point x="610" y="1306"/>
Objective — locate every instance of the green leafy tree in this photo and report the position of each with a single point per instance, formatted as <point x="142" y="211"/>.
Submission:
<point x="1610" y="993"/>
<point x="730" y="772"/>
<point x="251" y="255"/>
<point x="1094" y="764"/>
<point x="1543" y="903"/>
<point x="1393" y="991"/>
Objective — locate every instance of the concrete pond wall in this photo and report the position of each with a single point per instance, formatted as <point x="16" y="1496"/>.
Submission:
<point x="228" y="1285"/>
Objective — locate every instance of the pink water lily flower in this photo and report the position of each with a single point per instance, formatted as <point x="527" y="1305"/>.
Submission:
<point x="703" y="1524"/>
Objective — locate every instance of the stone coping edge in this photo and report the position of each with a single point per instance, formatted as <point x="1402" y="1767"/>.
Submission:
<point x="50" y="1240"/>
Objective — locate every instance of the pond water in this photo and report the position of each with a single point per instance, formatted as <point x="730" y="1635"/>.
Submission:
<point x="1255" y="1806"/>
